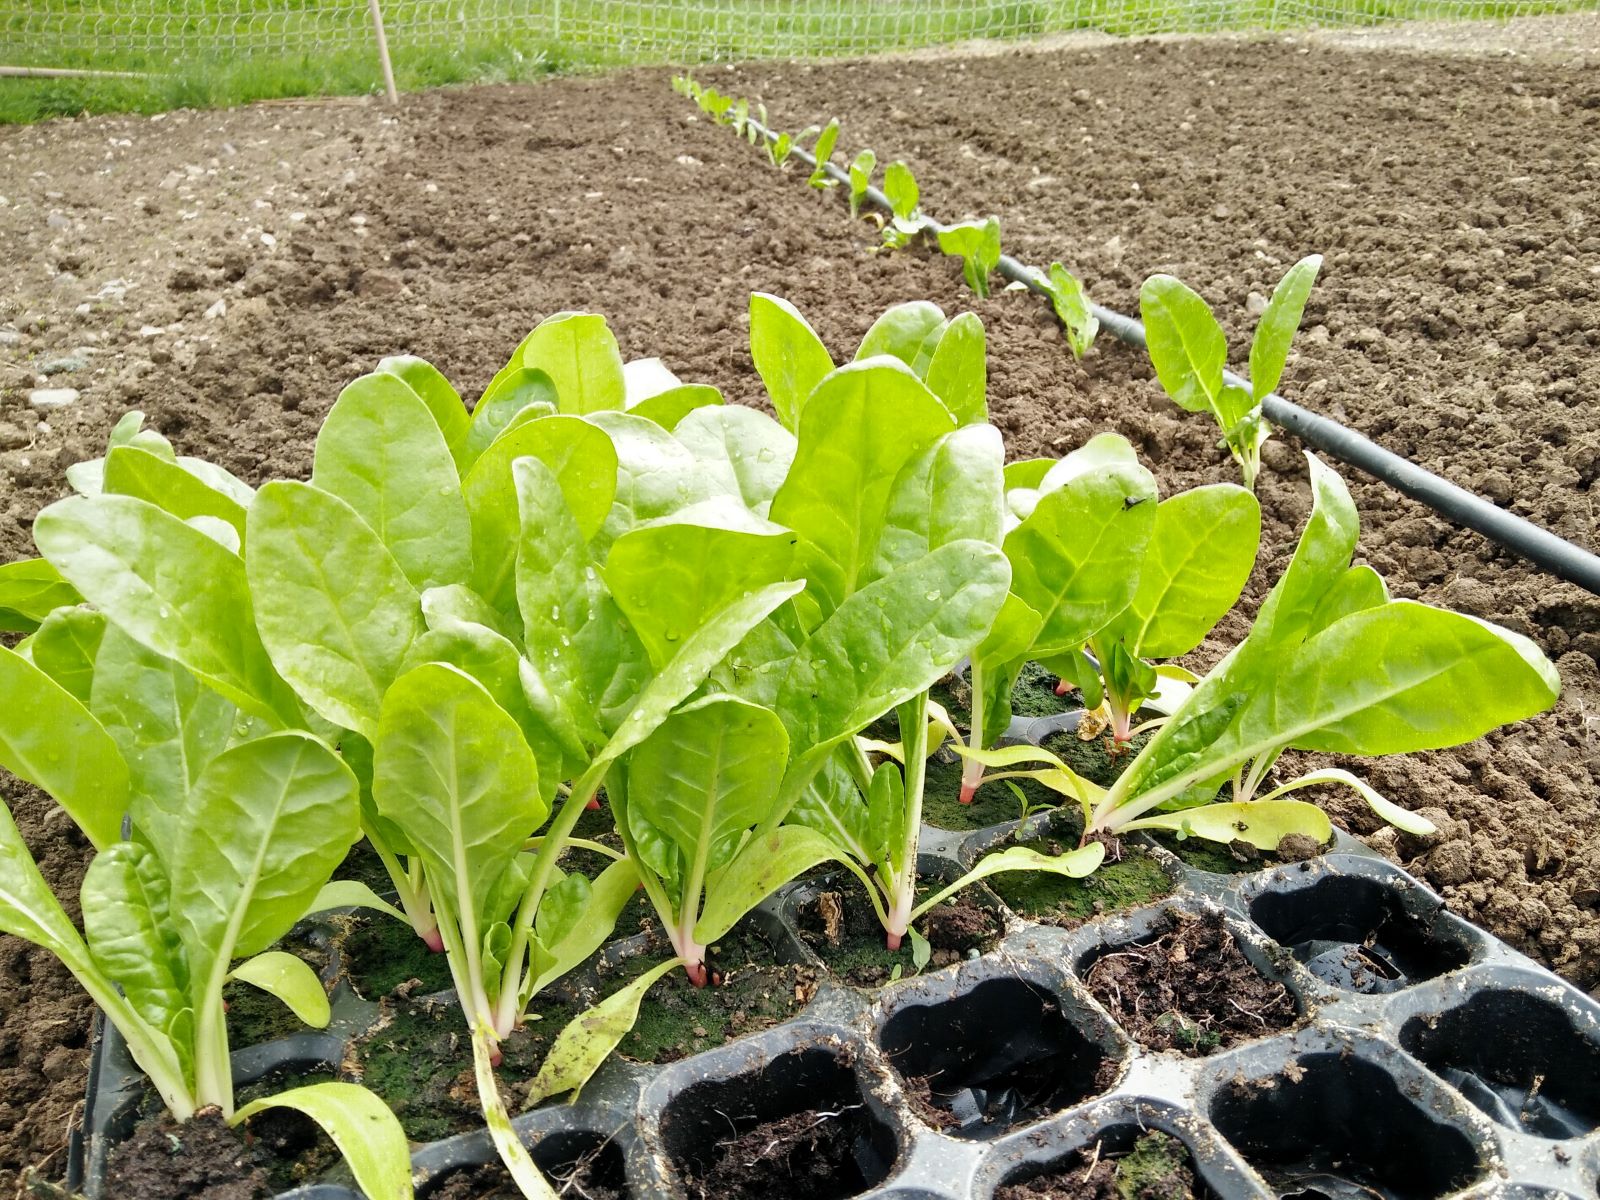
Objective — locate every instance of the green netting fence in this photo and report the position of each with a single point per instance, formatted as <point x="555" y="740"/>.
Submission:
<point x="165" y="36"/>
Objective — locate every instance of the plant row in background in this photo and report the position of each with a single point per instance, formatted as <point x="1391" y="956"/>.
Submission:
<point x="604" y="584"/>
<point x="1186" y="344"/>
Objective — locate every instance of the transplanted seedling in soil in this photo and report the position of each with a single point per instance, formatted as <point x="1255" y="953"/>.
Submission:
<point x="1190" y="352"/>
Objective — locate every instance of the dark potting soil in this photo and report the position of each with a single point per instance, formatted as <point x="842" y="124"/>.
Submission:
<point x="1189" y="988"/>
<point x="843" y="930"/>
<point x="804" y="1156"/>
<point x="1451" y="322"/>
<point x="596" y="1175"/>
<point x="748" y="991"/>
<point x="382" y="956"/>
<point x="1126" y="879"/>
<point x="1157" y="1167"/>
<point x="418" y="1058"/>
<point x="201" y="1159"/>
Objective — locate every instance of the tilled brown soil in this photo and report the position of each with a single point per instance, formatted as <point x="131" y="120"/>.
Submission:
<point x="448" y="228"/>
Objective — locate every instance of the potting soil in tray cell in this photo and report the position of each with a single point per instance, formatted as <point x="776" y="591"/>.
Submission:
<point x="798" y="1127"/>
<point x="1183" y="983"/>
<point x="1125" y="1162"/>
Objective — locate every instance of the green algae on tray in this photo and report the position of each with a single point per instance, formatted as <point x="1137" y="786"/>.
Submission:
<point x="1134" y="879"/>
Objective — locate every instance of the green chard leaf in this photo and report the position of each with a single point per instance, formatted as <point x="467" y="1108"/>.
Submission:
<point x="788" y="355"/>
<point x="381" y="452"/>
<point x="169" y="587"/>
<point x="334" y="607"/>
<point x="1270" y="347"/>
<point x="861" y="426"/>
<point x="443" y="401"/>
<point x="1186" y="345"/>
<point x="579" y="353"/>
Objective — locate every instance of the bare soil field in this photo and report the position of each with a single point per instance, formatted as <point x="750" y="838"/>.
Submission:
<point x="227" y="273"/>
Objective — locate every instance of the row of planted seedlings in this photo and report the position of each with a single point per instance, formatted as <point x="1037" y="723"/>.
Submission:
<point x="604" y="638"/>
<point x="1187" y="346"/>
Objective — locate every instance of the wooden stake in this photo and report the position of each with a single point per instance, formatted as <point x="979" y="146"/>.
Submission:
<point x="383" y="51"/>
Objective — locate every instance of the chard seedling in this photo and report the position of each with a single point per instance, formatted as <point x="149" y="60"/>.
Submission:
<point x="1193" y="568"/>
<point x="861" y="169"/>
<point x="896" y="496"/>
<point x="1071" y="304"/>
<point x="977" y="244"/>
<point x="1189" y="352"/>
<point x="823" y="153"/>
<point x="222" y="859"/>
<point x="1333" y="665"/>
<point x="906" y="221"/>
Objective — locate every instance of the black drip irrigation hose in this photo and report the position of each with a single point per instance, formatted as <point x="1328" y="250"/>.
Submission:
<point x="1518" y="535"/>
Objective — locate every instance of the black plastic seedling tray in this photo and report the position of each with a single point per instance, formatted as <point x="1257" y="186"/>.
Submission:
<point x="1430" y="1059"/>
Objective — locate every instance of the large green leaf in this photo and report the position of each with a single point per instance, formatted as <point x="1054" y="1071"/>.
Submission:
<point x="579" y="353"/>
<point x="1402" y="677"/>
<point x="668" y="576"/>
<point x="952" y="490"/>
<point x="701" y="651"/>
<point x="166" y="723"/>
<point x="31" y="589"/>
<point x="1075" y="559"/>
<point x="1199" y="556"/>
<point x="50" y="739"/>
<point x="66" y="645"/>
<point x="512" y="399"/>
<point x="130" y="471"/>
<point x="1270" y="347"/>
<point x="453" y="772"/>
<point x="269" y="820"/>
<point x="493" y="661"/>
<point x="892" y="639"/>
<point x="585" y="465"/>
<point x="656" y="474"/>
<point x="1186" y="345"/>
<point x="28" y="908"/>
<point x="860" y="427"/>
<point x="708" y="774"/>
<point x="788" y="355"/>
<point x="746" y="453"/>
<point x="334" y="608"/>
<point x="169" y="587"/>
<point x="128" y="921"/>
<point x="367" y="1133"/>
<point x="555" y="593"/>
<point x="958" y="371"/>
<point x="910" y="332"/>
<point x="381" y="452"/>
<point x="443" y="401"/>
